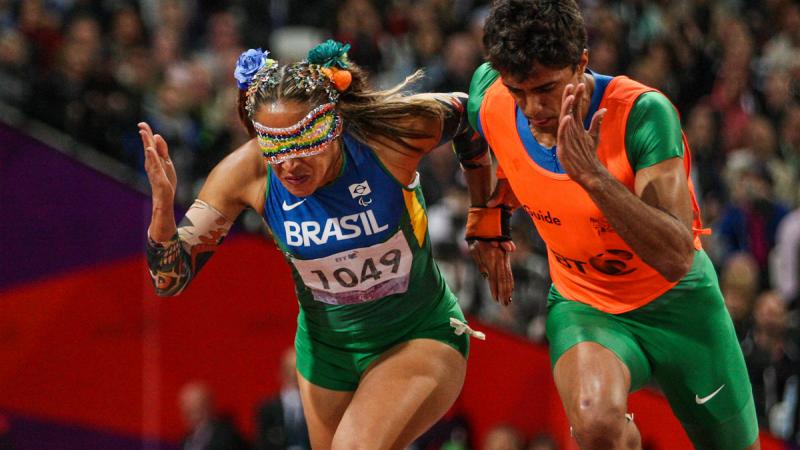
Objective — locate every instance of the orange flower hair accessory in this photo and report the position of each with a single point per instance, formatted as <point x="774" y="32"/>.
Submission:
<point x="341" y="78"/>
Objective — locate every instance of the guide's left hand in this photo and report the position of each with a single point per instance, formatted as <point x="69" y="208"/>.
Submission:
<point x="576" y="146"/>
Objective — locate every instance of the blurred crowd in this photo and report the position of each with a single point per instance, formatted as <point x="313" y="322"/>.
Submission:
<point x="94" y="68"/>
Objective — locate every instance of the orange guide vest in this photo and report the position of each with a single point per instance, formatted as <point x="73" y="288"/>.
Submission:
<point x="588" y="261"/>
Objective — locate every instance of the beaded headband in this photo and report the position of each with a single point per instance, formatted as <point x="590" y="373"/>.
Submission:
<point x="268" y="74"/>
<point x="325" y="68"/>
<point x="310" y="77"/>
<point x="307" y="137"/>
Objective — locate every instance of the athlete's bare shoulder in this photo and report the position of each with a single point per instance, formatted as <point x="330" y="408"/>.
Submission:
<point x="236" y="182"/>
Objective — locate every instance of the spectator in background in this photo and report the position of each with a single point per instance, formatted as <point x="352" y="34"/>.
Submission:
<point x="774" y="366"/>
<point x="708" y="161"/>
<point x="450" y="433"/>
<point x="702" y="132"/>
<point x="783" y="48"/>
<point x="731" y="95"/>
<point x="531" y="277"/>
<point x="5" y="433"/>
<point x="606" y="32"/>
<point x="15" y="68"/>
<point x="40" y="26"/>
<point x="461" y="57"/>
<point x="761" y="143"/>
<point x="475" y="25"/>
<point x="542" y="441"/>
<point x="427" y="40"/>
<point x="282" y="13"/>
<point x="127" y="32"/>
<point x="503" y="437"/>
<point x="605" y="57"/>
<point x="785" y="259"/>
<point x="655" y="69"/>
<point x="166" y="48"/>
<point x="280" y="423"/>
<point x="446" y="223"/>
<point x="175" y="17"/>
<point x="731" y="98"/>
<point x="206" y="429"/>
<point x="789" y="146"/>
<point x="7" y="13"/>
<point x="776" y="95"/>
<point x="65" y="106"/>
<point x="223" y="45"/>
<point x="739" y="282"/>
<point x="359" y="23"/>
<point x="694" y="62"/>
<point x="750" y="220"/>
<point x="105" y="102"/>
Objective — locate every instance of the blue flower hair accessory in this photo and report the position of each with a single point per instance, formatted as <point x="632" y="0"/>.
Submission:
<point x="330" y="54"/>
<point x="249" y="63"/>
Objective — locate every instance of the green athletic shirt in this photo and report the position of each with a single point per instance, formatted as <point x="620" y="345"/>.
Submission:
<point x="652" y="135"/>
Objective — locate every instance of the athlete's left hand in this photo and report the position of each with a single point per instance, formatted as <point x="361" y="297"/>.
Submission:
<point x="576" y="146"/>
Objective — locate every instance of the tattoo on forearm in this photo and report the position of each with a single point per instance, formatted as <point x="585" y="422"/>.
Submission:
<point x="173" y="264"/>
<point x="471" y="150"/>
<point x="168" y="269"/>
<point x="469" y="146"/>
<point x="455" y="123"/>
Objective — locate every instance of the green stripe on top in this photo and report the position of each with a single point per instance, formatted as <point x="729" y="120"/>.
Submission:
<point x="653" y="132"/>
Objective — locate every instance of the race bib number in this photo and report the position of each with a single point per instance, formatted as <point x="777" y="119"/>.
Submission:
<point x="360" y="275"/>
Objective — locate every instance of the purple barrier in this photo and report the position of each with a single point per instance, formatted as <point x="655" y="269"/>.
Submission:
<point x="59" y="215"/>
<point x="29" y="434"/>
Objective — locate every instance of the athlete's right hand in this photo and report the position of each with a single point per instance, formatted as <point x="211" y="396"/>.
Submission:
<point x="163" y="181"/>
<point x="494" y="264"/>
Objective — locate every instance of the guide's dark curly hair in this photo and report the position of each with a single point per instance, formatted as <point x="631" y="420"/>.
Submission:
<point x="519" y="33"/>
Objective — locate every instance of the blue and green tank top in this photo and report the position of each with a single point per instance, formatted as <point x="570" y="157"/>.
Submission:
<point x="358" y="247"/>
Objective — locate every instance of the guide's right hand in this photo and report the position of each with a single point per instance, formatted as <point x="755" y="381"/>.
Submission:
<point x="494" y="264"/>
<point x="163" y="180"/>
<point x="503" y="195"/>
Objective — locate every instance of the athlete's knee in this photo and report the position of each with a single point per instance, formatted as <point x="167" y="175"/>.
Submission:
<point x="348" y="438"/>
<point x="345" y="441"/>
<point x="348" y="444"/>
<point x="599" y="424"/>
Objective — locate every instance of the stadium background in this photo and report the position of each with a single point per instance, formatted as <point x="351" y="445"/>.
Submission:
<point x="89" y="358"/>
